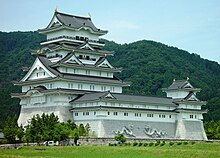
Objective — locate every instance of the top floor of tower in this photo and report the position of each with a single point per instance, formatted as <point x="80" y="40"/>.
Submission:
<point x="65" y="28"/>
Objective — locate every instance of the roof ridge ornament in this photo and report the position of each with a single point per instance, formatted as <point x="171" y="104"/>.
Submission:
<point x="56" y="9"/>
<point x="89" y="15"/>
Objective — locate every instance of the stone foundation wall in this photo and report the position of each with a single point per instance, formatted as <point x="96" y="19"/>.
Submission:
<point x="61" y="111"/>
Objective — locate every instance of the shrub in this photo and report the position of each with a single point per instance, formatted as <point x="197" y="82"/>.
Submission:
<point x="157" y="143"/>
<point x="135" y="144"/>
<point x="171" y="143"/>
<point x="127" y="144"/>
<point x="151" y="144"/>
<point x="185" y="143"/>
<point x="193" y="143"/>
<point x="163" y="143"/>
<point x="120" y="138"/>
<point x="179" y="143"/>
<point x="140" y="144"/>
<point x="145" y="144"/>
<point x="112" y="144"/>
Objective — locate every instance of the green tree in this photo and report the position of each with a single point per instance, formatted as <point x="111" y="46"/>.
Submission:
<point x="12" y="131"/>
<point x="82" y="131"/>
<point x="120" y="138"/>
<point x="75" y="135"/>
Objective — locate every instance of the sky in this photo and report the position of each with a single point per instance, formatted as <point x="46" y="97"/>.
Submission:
<point x="191" y="25"/>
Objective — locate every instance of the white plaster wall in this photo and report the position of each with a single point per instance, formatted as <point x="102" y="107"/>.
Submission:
<point x="74" y="85"/>
<point x="177" y="94"/>
<point x="188" y="106"/>
<point x="142" y="116"/>
<point x="85" y="72"/>
<point x="186" y="116"/>
<point x="38" y="74"/>
<point x="65" y="32"/>
<point x="47" y="100"/>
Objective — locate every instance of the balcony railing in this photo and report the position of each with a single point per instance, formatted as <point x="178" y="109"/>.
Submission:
<point x="77" y="38"/>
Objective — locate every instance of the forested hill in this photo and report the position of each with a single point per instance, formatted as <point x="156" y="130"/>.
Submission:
<point x="149" y="65"/>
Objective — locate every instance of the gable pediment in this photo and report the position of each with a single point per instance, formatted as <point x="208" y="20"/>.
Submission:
<point x="105" y="64"/>
<point x="73" y="60"/>
<point x="188" y="85"/>
<point x="109" y="96"/>
<point x="191" y="97"/>
<point x="87" y="46"/>
<point x="54" y="22"/>
<point x="36" y="71"/>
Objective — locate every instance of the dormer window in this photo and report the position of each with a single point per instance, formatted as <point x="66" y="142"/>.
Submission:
<point x="80" y="56"/>
<point x="87" y="58"/>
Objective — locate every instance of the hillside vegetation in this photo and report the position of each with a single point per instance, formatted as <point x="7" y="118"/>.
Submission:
<point x="149" y="65"/>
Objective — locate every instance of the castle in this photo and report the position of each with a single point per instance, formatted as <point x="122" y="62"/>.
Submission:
<point x="72" y="78"/>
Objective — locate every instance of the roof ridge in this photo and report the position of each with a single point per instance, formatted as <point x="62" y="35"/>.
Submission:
<point x="76" y="16"/>
<point x="141" y="95"/>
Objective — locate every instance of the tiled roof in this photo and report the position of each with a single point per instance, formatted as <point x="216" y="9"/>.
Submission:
<point x="125" y="98"/>
<point x="179" y="84"/>
<point x="121" y="108"/>
<point x="76" y="48"/>
<point x="72" y="91"/>
<point x="76" y="22"/>
<point x="47" y="63"/>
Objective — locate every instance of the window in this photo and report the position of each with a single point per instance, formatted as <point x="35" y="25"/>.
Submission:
<point x="125" y="114"/>
<point x="70" y="85"/>
<point x="51" y="86"/>
<point x="87" y="72"/>
<point x="150" y="115"/>
<point x="115" y="113"/>
<point x="80" y="86"/>
<point x="94" y="112"/>
<point x="87" y="113"/>
<point x="191" y="116"/>
<point x="70" y="97"/>
<point x="137" y="114"/>
<point x="112" y="89"/>
<point x="44" y="74"/>
<point x="37" y="74"/>
<point x="163" y="116"/>
<point x="195" y="116"/>
<point x="103" y="88"/>
<point x="87" y="57"/>
<point x="92" y="87"/>
<point x="76" y="114"/>
<point x="80" y="56"/>
<point x="108" y="113"/>
<point x="170" y="116"/>
<point x="83" y="113"/>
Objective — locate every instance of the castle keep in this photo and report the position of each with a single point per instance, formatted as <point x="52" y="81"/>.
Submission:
<point x="72" y="78"/>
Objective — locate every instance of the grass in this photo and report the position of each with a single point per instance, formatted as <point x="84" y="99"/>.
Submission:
<point x="198" y="150"/>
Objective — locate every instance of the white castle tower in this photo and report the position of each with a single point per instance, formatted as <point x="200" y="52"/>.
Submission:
<point x="72" y="78"/>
